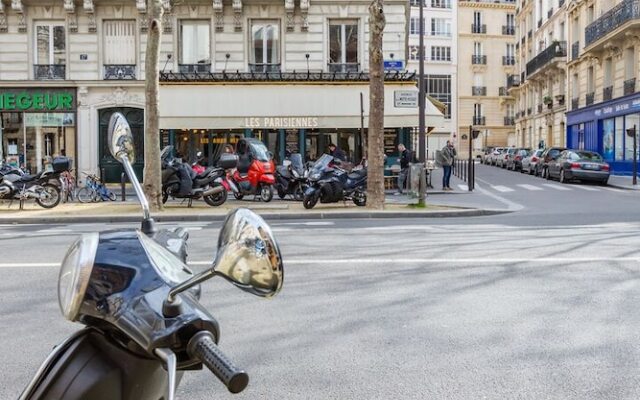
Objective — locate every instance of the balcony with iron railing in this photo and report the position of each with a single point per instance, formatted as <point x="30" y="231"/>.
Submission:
<point x="49" y="71"/>
<point x="479" y="120"/>
<point x="194" y="68"/>
<point x="508" y="60"/>
<point x="264" y="68"/>
<point x="513" y="81"/>
<point x="508" y="30"/>
<point x="607" y="93"/>
<point x="589" y="98"/>
<point x="629" y="86"/>
<point x="120" y="72"/>
<point x="625" y="13"/>
<point x="503" y="91"/>
<point x="509" y="121"/>
<point x="575" y="103"/>
<point x="556" y="52"/>
<point x="478" y="28"/>
<point x="478" y="90"/>
<point x="575" y="51"/>
<point x="477" y="59"/>
<point x="344" y="67"/>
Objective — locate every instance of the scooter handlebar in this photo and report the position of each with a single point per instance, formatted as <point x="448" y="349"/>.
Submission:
<point x="203" y="348"/>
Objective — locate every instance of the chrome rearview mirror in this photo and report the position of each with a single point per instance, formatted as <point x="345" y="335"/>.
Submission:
<point x="248" y="254"/>
<point x="120" y="138"/>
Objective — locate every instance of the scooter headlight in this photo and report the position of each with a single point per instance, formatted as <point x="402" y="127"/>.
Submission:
<point x="75" y="273"/>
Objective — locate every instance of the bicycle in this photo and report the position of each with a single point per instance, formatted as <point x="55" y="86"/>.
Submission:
<point x="94" y="190"/>
<point x="68" y="186"/>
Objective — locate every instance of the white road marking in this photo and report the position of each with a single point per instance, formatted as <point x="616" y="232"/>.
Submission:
<point x="556" y="187"/>
<point x="464" y="188"/>
<point x="502" y="189"/>
<point x="397" y="261"/>
<point x="587" y="188"/>
<point x="310" y="223"/>
<point x="54" y="230"/>
<point x="530" y="187"/>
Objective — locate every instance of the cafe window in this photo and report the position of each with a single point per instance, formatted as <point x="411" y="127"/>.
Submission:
<point x="343" y="46"/>
<point x="194" y="42"/>
<point x="265" y="46"/>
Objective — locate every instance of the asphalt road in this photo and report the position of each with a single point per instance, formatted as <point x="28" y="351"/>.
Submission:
<point x="537" y="304"/>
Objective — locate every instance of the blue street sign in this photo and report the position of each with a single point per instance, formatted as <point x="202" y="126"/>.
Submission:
<point x="394" y="65"/>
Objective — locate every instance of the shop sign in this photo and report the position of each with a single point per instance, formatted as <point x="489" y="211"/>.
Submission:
<point x="49" y="119"/>
<point x="393" y="65"/>
<point x="25" y="100"/>
<point x="606" y="110"/>
<point x="281" y="122"/>
<point x="405" y="98"/>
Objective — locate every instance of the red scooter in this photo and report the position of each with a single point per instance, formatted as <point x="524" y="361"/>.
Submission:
<point x="254" y="173"/>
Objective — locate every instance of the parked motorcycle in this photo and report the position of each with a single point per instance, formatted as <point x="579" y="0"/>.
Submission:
<point x="16" y="185"/>
<point x="331" y="183"/>
<point x="290" y="179"/>
<point x="254" y="173"/>
<point x="139" y="302"/>
<point x="178" y="176"/>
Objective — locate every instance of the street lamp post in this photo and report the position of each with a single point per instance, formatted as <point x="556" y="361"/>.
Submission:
<point x="421" y="111"/>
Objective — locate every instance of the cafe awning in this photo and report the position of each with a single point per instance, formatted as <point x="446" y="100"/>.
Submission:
<point x="289" y="106"/>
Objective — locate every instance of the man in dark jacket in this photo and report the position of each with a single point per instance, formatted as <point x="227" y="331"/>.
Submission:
<point x="405" y="158"/>
<point x="337" y="152"/>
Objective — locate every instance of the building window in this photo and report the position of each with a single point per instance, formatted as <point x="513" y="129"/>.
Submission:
<point x="439" y="87"/>
<point x="414" y="26"/>
<point x="51" y="54"/>
<point x="265" y="46"/>
<point x="414" y="53"/>
<point x="441" y="53"/>
<point x="440" y="27"/>
<point x="119" y="49"/>
<point x="440" y="3"/>
<point x="194" y="46"/>
<point x="629" y="63"/>
<point x="343" y="46"/>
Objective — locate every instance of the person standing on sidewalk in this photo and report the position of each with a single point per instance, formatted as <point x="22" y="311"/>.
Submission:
<point x="448" y="156"/>
<point x="405" y="159"/>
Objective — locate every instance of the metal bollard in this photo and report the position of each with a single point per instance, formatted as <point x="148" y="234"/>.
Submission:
<point x="123" y="180"/>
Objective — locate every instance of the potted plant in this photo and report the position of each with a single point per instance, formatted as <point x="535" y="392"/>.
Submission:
<point x="548" y="101"/>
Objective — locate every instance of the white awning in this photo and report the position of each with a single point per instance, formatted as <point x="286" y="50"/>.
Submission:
<point x="274" y="106"/>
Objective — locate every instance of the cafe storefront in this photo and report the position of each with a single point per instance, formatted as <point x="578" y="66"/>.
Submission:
<point x="37" y="124"/>
<point x="295" y="117"/>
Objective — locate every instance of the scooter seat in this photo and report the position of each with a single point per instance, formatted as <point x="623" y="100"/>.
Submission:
<point x="357" y="174"/>
<point x="204" y="174"/>
<point x="28" y="178"/>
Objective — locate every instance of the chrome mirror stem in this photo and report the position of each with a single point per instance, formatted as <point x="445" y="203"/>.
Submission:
<point x="170" y="360"/>
<point x="148" y="225"/>
<point x="188" y="284"/>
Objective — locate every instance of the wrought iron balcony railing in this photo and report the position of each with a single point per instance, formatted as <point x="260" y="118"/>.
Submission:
<point x="476" y="28"/>
<point x="478" y="59"/>
<point x="508" y="30"/>
<point x="264" y="67"/>
<point x="344" y="67"/>
<point x="575" y="103"/>
<point x="49" y="71"/>
<point x="513" y="81"/>
<point x="479" y="120"/>
<point x="508" y="60"/>
<point x="509" y="121"/>
<point x="629" y="86"/>
<point x="194" y="68"/>
<point x="611" y="20"/>
<point x="575" y="51"/>
<point x="479" y="90"/>
<point x="607" y="93"/>
<point x="590" y="98"/>
<point x="502" y="91"/>
<point x="556" y="49"/>
<point x="119" y="72"/>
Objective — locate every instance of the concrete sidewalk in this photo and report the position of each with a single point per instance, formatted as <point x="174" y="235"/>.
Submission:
<point x="623" y="182"/>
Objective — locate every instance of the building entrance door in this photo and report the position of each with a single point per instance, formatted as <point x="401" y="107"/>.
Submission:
<point x="109" y="167"/>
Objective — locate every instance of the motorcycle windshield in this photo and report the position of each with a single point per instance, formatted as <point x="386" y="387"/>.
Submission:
<point x="260" y="152"/>
<point x="322" y="163"/>
<point x="296" y="162"/>
<point x="166" y="152"/>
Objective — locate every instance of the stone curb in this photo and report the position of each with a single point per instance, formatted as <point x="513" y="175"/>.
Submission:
<point x="613" y="185"/>
<point x="474" y="212"/>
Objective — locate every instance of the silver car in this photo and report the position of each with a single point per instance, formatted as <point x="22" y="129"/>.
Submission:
<point x="530" y="163"/>
<point x="493" y="158"/>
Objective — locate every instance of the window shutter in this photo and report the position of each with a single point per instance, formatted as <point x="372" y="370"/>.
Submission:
<point x="120" y="42"/>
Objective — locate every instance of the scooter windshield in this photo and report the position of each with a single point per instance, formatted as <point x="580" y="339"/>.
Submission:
<point x="296" y="162"/>
<point x="322" y="162"/>
<point x="260" y="153"/>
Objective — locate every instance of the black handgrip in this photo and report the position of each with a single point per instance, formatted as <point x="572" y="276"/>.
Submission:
<point x="202" y="347"/>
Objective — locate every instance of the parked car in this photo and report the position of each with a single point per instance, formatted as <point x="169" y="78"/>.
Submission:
<point x="486" y="153"/>
<point x="504" y="157"/>
<point x="579" y="164"/>
<point x="530" y="162"/>
<point x="493" y="158"/>
<point x="547" y="156"/>
<point x="514" y="162"/>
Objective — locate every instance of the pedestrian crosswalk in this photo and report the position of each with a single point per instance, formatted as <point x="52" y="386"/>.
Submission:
<point x="549" y="187"/>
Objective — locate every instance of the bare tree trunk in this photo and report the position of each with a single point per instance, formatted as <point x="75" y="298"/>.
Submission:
<point x="375" y="136"/>
<point x="152" y="170"/>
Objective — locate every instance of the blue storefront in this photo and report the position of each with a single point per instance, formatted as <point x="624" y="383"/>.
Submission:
<point x="602" y="128"/>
